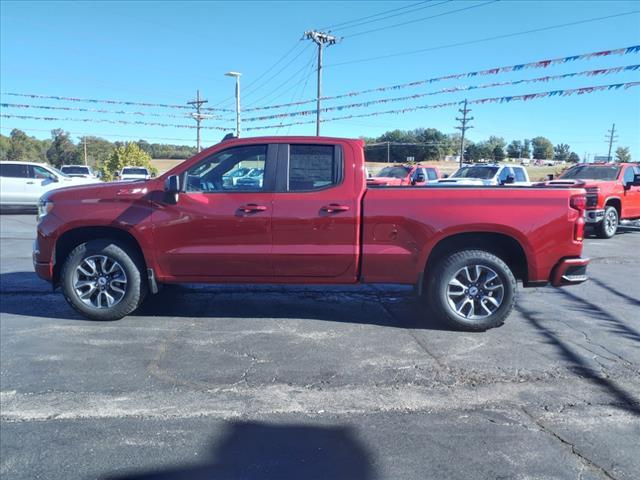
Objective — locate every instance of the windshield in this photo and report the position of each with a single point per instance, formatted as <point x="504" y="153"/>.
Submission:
<point x="72" y="170"/>
<point x="483" y="173"/>
<point x="134" y="171"/>
<point x="592" y="172"/>
<point x="393" y="172"/>
<point x="238" y="172"/>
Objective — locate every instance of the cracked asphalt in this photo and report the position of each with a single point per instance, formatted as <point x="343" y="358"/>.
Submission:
<point x="236" y="382"/>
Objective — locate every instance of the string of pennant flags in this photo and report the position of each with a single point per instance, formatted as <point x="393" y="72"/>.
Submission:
<point x="112" y="102"/>
<point x="505" y="99"/>
<point x="587" y="73"/>
<point x="634" y="49"/>
<point x="100" y="110"/>
<point x="102" y="120"/>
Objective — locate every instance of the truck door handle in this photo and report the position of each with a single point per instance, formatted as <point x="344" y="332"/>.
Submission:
<point x="252" y="208"/>
<point x="335" y="208"/>
<point x="31" y="183"/>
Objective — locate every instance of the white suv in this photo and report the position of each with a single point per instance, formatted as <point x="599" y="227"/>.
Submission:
<point x="83" y="171"/>
<point x="134" y="173"/>
<point x="488" y="174"/>
<point x="23" y="183"/>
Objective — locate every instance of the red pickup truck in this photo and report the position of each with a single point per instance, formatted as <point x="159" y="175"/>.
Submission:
<point x="613" y="193"/>
<point x="310" y="220"/>
<point x="398" y="175"/>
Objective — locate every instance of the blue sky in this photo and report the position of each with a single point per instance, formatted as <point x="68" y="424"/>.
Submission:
<point x="161" y="52"/>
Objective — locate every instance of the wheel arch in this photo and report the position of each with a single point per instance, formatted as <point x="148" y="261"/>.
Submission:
<point x="76" y="236"/>
<point x="616" y="203"/>
<point x="504" y="246"/>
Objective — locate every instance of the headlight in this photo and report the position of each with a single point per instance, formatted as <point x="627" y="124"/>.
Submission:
<point x="44" y="207"/>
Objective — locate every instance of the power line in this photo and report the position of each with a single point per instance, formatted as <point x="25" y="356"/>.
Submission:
<point x="490" y="71"/>
<point x="330" y="27"/>
<point x="97" y="135"/>
<point x="480" y="40"/>
<point x="505" y="99"/>
<point x="390" y="16"/>
<point x="548" y="78"/>
<point x="357" y="34"/>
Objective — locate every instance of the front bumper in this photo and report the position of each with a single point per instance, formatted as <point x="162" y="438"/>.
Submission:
<point x="593" y="216"/>
<point x="570" y="271"/>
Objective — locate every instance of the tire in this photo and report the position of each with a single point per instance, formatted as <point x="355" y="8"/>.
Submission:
<point x="451" y="284"/>
<point x="608" y="227"/>
<point x="85" y="275"/>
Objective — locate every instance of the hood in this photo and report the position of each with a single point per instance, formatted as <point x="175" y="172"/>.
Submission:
<point x="71" y="180"/>
<point x="91" y="191"/>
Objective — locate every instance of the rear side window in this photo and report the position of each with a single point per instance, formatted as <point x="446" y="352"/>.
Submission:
<point x="431" y="174"/>
<point x="520" y="176"/>
<point x="14" y="170"/>
<point x="314" y="167"/>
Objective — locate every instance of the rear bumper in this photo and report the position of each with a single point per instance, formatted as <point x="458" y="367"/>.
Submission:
<point x="570" y="271"/>
<point x="593" y="216"/>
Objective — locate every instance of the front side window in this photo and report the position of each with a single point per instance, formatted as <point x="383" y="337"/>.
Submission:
<point x="393" y="172"/>
<point x="313" y="167"/>
<point x="14" y="170"/>
<point x="236" y="169"/>
<point x="41" y="173"/>
<point x="483" y="173"/>
<point x="628" y="175"/>
<point x="592" y="172"/>
<point x="520" y="176"/>
<point x="431" y="174"/>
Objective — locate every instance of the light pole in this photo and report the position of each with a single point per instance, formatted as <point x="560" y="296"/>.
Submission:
<point x="237" y="75"/>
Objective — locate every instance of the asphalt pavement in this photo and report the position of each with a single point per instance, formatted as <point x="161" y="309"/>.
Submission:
<point x="271" y="382"/>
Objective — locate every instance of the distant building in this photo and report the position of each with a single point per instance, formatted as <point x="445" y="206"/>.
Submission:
<point x="601" y="159"/>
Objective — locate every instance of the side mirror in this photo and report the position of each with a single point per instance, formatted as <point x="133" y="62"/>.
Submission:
<point x="550" y="177"/>
<point x="172" y="189"/>
<point x="634" y="183"/>
<point x="510" y="179"/>
<point x="54" y="178"/>
<point x="446" y="175"/>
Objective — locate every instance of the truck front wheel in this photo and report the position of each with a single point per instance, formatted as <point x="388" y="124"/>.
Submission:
<point x="471" y="290"/>
<point x="608" y="227"/>
<point x="102" y="280"/>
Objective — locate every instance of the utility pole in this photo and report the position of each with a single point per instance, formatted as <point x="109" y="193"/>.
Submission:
<point x="84" y="141"/>
<point x="388" y="151"/>
<point x="612" y="138"/>
<point x="463" y="127"/>
<point x="198" y="117"/>
<point x="237" y="77"/>
<point x="319" y="38"/>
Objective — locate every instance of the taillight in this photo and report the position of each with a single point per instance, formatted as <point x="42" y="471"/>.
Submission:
<point x="579" y="202"/>
<point x="592" y="196"/>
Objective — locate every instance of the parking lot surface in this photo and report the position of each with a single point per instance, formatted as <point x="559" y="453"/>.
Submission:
<point x="248" y="382"/>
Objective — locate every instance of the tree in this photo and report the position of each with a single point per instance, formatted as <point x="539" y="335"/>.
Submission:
<point x="123" y="156"/>
<point x="561" y="152"/>
<point x="98" y="149"/>
<point x="5" y="144"/>
<point x="18" y="146"/>
<point x="623" y="154"/>
<point x="514" y="149"/>
<point x="574" y="157"/>
<point x="62" y="150"/>
<point x="542" y="148"/>
<point x="498" y="153"/>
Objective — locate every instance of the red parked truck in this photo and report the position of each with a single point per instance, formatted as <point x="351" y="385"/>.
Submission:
<point x="613" y="193"/>
<point x="311" y="220"/>
<point x="398" y="175"/>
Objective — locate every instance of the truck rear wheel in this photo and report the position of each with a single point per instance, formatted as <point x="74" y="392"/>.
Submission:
<point x="472" y="290"/>
<point x="608" y="227"/>
<point x="102" y="280"/>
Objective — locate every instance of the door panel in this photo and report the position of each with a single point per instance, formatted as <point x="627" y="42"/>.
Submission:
<point x="315" y="217"/>
<point x="221" y="226"/>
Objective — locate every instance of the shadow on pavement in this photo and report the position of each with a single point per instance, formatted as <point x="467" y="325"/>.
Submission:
<point x="635" y="301"/>
<point x="624" y="400"/>
<point x="397" y="308"/>
<point x="258" y="451"/>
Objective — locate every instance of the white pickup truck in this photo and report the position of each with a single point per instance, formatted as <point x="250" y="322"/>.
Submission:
<point x="488" y="174"/>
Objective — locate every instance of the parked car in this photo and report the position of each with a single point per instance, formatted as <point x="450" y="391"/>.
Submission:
<point x="613" y="193"/>
<point x="23" y="183"/>
<point x="404" y="175"/>
<point x="134" y="173"/>
<point x="232" y="177"/>
<point x="83" y="171"/>
<point x="251" y="181"/>
<point x="313" y="221"/>
<point x="488" y="174"/>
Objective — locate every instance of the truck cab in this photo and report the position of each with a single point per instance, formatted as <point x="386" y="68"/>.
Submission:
<point x="613" y="194"/>
<point x="398" y="175"/>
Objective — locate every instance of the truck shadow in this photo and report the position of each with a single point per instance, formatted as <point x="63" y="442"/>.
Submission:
<point x="253" y="450"/>
<point x="622" y="399"/>
<point x="22" y="293"/>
